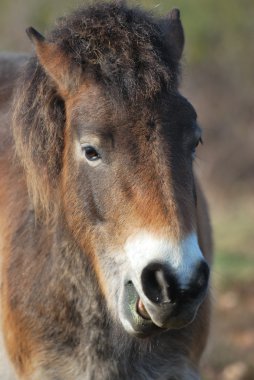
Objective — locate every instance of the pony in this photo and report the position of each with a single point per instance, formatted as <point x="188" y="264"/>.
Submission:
<point x="105" y="236"/>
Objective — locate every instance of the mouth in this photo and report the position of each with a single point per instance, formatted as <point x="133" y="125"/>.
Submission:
<point x="141" y="310"/>
<point x="142" y="323"/>
<point x="135" y="316"/>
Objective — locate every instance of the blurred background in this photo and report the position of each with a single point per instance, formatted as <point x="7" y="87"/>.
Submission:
<point x="218" y="78"/>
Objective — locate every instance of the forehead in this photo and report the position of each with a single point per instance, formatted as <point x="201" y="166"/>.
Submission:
<point x="93" y="109"/>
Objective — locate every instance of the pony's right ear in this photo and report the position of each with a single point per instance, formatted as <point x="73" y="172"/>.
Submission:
<point x="53" y="60"/>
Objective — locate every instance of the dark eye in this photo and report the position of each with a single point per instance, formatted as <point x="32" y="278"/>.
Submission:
<point x="91" y="153"/>
<point x="198" y="141"/>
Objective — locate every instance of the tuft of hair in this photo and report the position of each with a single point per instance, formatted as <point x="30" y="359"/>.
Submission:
<point x="122" y="48"/>
<point x="38" y="123"/>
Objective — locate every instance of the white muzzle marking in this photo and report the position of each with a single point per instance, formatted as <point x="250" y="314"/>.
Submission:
<point x="145" y="248"/>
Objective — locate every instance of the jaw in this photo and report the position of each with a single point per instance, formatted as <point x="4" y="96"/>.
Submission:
<point x="124" y="277"/>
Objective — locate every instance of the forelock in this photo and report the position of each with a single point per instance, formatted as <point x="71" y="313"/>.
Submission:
<point x="122" y="48"/>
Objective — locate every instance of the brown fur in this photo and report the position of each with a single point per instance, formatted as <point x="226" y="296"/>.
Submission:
<point x="107" y="73"/>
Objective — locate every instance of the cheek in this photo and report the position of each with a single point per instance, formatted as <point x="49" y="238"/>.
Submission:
<point x="72" y="190"/>
<point x="80" y="200"/>
<point x="81" y="204"/>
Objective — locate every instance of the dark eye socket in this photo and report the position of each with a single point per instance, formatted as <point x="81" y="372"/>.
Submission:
<point x="199" y="141"/>
<point x="91" y="153"/>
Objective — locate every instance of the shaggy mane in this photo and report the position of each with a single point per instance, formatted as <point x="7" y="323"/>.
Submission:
<point x="121" y="48"/>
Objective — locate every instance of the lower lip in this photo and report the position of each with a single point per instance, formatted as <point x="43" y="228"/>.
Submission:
<point x="141" y="310"/>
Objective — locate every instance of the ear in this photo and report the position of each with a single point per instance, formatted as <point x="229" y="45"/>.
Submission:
<point x="54" y="61"/>
<point x="174" y="33"/>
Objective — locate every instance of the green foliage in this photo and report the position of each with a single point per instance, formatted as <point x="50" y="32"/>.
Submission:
<point x="213" y="27"/>
<point x="233" y="229"/>
<point x="46" y="12"/>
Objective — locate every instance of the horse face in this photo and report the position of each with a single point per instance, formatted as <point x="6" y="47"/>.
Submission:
<point x="129" y="199"/>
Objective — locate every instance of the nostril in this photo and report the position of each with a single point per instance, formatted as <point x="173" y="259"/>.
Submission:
<point x="151" y="287"/>
<point x="200" y="280"/>
<point x="159" y="285"/>
<point x="204" y="273"/>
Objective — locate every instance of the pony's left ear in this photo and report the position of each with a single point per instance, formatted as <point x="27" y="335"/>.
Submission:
<point x="52" y="58"/>
<point x="173" y="30"/>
